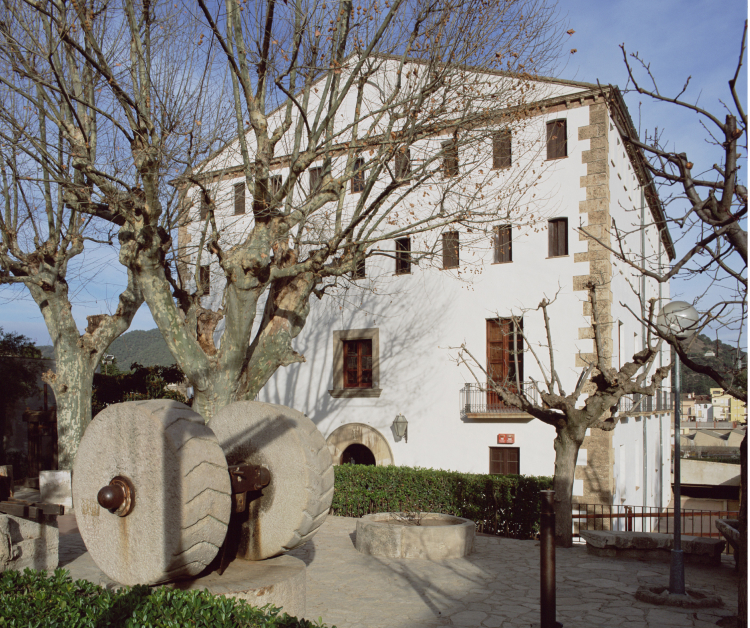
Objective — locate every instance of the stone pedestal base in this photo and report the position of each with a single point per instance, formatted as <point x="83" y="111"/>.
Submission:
<point x="25" y="543"/>
<point x="280" y="581"/>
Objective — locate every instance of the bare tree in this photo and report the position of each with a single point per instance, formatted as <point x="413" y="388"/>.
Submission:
<point x="706" y="210"/>
<point x="592" y="404"/>
<point x="356" y="125"/>
<point x="706" y="214"/>
<point x="71" y="157"/>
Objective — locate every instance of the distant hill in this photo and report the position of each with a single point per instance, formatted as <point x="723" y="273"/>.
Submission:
<point x="145" y="347"/>
<point x="723" y="359"/>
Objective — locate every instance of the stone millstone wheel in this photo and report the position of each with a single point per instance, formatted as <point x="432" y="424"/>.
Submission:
<point x="182" y="492"/>
<point x="296" y="502"/>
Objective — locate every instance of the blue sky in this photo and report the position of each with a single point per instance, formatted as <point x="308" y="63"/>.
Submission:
<point x="679" y="39"/>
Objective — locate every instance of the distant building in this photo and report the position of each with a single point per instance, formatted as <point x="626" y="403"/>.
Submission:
<point x="726" y="407"/>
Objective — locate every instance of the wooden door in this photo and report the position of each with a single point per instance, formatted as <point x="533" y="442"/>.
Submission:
<point x="501" y="362"/>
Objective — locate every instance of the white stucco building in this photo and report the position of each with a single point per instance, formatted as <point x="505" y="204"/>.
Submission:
<point x="385" y="344"/>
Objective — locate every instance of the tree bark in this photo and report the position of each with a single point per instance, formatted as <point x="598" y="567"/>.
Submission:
<point x="567" y="443"/>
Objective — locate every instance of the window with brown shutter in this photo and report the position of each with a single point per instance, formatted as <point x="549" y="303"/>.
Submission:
<point x="274" y="184"/>
<point x="358" y="178"/>
<point x="403" y="256"/>
<point x="557" y="139"/>
<point x="503" y="244"/>
<point x="558" y="237"/>
<point x="403" y="164"/>
<point x="358" y="363"/>
<point x="205" y="279"/>
<point x="316" y="178"/>
<point x="204" y="208"/>
<point x="505" y="460"/>
<point x="239" y="198"/>
<point x="450" y="249"/>
<point x="450" y="158"/>
<point x="501" y="149"/>
<point x="502" y="356"/>
<point x="360" y="271"/>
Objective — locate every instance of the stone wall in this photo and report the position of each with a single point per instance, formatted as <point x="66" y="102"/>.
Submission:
<point x="597" y="474"/>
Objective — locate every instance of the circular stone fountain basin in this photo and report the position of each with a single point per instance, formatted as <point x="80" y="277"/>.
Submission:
<point x="402" y="535"/>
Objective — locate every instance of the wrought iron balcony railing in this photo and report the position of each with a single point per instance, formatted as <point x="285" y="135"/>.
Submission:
<point x="481" y="399"/>
<point x="660" y="402"/>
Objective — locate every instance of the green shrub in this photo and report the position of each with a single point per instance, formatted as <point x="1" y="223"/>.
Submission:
<point x="33" y="599"/>
<point x="506" y="505"/>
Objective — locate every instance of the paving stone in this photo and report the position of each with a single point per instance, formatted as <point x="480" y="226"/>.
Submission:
<point x="350" y="590"/>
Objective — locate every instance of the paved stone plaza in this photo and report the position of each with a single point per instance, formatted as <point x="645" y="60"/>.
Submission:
<point x="497" y="585"/>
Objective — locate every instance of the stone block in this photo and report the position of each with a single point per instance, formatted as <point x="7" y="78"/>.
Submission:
<point x="55" y="487"/>
<point x="585" y="333"/>
<point x="653" y="546"/>
<point x="597" y="204"/>
<point x="594" y="155"/>
<point x="590" y="131"/>
<point x="601" y="141"/>
<point x="597" y="191"/>
<point x="381" y="535"/>
<point x="594" y="179"/>
<point x="600" y="217"/>
<point x="281" y="581"/>
<point x="28" y="544"/>
<point x="598" y="114"/>
<point x="598" y="167"/>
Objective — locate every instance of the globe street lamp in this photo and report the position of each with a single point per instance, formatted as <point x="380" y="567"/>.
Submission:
<point x="680" y="320"/>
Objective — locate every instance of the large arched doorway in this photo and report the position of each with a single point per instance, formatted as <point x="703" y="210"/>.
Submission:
<point x="370" y="441"/>
<point x="358" y="454"/>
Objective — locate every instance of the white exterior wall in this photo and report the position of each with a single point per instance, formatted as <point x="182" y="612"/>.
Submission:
<point x="423" y="317"/>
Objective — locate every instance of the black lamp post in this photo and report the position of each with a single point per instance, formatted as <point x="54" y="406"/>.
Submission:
<point x="679" y="319"/>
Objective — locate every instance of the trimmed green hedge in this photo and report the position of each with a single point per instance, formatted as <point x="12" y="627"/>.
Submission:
<point x="506" y="505"/>
<point x="33" y="599"/>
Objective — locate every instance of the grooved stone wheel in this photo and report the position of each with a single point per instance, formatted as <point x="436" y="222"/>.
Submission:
<point x="182" y="491"/>
<point x="296" y="502"/>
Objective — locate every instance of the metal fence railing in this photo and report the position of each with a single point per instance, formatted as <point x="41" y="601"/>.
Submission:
<point x="660" y="402"/>
<point x="648" y="519"/>
<point x="481" y="399"/>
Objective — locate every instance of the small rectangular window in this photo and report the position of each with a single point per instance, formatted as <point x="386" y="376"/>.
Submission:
<point x="557" y="139"/>
<point x="239" y="198"/>
<point x="505" y="460"/>
<point x="558" y="237"/>
<point x="316" y="178"/>
<point x="450" y="158"/>
<point x="205" y="279"/>
<point x="501" y="149"/>
<point x="360" y="271"/>
<point x="358" y="178"/>
<point x="403" y="163"/>
<point x="450" y="249"/>
<point x="274" y="184"/>
<point x="403" y="256"/>
<point x="503" y="244"/>
<point x="358" y="363"/>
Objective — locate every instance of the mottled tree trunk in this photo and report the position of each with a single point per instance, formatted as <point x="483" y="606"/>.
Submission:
<point x="72" y="384"/>
<point x="76" y="358"/>
<point x="567" y="444"/>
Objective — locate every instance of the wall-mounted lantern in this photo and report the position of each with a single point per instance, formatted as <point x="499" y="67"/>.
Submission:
<point x="401" y="428"/>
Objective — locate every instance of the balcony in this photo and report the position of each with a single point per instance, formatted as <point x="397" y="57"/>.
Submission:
<point x="636" y="403"/>
<point x="478" y="401"/>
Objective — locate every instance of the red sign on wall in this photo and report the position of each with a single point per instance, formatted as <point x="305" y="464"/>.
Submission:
<point x="506" y="439"/>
